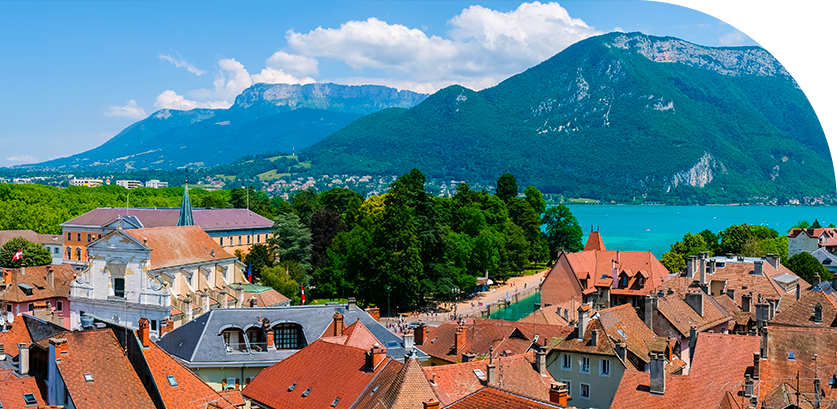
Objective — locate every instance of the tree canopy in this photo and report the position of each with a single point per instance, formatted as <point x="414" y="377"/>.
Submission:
<point x="34" y="254"/>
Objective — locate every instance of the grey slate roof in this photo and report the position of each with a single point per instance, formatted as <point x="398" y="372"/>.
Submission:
<point x="200" y="342"/>
<point x="207" y="219"/>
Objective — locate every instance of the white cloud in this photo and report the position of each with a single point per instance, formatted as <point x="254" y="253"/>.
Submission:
<point x="294" y="64"/>
<point x="180" y="63"/>
<point x="733" y="38"/>
<point x="274" y="76"/>
<point x="22" y="158"/>
<point x="484" y="46"/>
<point x="171" y="100"/>
<point x="130" y="110"/>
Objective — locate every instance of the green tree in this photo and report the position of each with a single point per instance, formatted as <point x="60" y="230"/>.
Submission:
<point x="807" y="266"/>
<point x="292" y="240"/>
<point x="673" y="262"/>
<point x="338" y="199"/>
<point x="562" y="231"/>
<point x="34" y="254"/>
<point x="305" y="204"/>
<point x="259" y="257"/>
<point x="691" y="245"/>
<point x="278" y="278"/>
<point x="325" y="224"/>
<point x="535" y="199"/>
<point x="816" y="224"/>
<point x="506" y="187"/>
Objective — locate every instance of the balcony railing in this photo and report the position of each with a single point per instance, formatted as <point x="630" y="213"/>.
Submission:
<point x="236" y="347"/>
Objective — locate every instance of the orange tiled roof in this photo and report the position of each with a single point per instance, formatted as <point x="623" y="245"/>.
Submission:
<point x="265" y="298"/>
<point x="643" y="270"/>
<point x="15" y="333"/>
<point x="181" y="245"/>
<point x="401" y="387"/>
<point x="830" y="234"/>
<point x="604" y="345"/>
<point x="190" y="392"/>
<point x="560" y="284"/>
<point x="594" y="242"/>
<point x="497" y="398"/>
<point x="719" y="366"/>
<point x="36" y="277"/>
<point x="330" y="371"/>
<point x="97" y="352"/>
<point x="515" y="373"/>
<point x="480" y="336"/>
<point x="800" y="313"/>
<point x="544" y="317"/>
<point x="355" y="335"/>
<point x="13" y="389"/>
<point x="682" y="316"/>
<point x="636" y="334"/>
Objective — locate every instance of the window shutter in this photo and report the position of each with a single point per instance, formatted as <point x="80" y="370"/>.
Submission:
<point x="223" y="384"/>
<point x="237" y="383"/>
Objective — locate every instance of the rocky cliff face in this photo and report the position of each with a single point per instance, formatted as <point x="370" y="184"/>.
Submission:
<point x="359" y="99"/>
<point x="733" y="61"/>
<point x="698" y="175"/>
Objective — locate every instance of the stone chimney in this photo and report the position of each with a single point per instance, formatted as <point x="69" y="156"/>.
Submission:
<point x="23" y="358"/>
<point x="374" y="357"/>
<point x="558" y="393"/>
<point x="650" y="303"/>
<point x="758" y="268"/>
<point x="702" y="269"/>
<point x="657" y="371"/>
<point x="692" y="342"/>
<point x="695" y="300"/>
<point x="540" y="361"/>
<point x="432" y="404"/>
<point x="351" y="304"/>
<point x="166" y="326"/>
<point x="50" y="277"/>
<point x="23" y="270"/>
<point x="817" y="278"/>
<point x="583" y="318"/>
<point x="773" y="260"/>
<point x="491" y="370"/>
<point x="713" y="266"/>
<point x="690" y="267"/>
<point x="468" y="357"/>
<point x="420" y="334"/>
<point x="409" y="340"/>
<point x="756" y="365"/>
<point x="142" y="333"/>
<point x="745" y="301"/>
<point x="205" y="302"/>
<point x="239" y="296"/>
<point x="764" y="343"/>
<point x="748" y="386"/>
<point x="337" y="320"/>
<point x="60" y="345"/>
<point x="762" y="312"/>
<point x="461" y="338"/>
<point x="223" y="299"/>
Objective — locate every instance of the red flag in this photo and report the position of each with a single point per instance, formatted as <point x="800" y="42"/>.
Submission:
<point x="303" y="294"/>
<point x="18" y="255"/>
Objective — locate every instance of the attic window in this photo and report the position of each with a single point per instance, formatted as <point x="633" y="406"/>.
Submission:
<point x="27" y="289"/>
<point x="29" y="398"/>
<point x="305" y="394"/>
<point x="479" y="373"/>
<point x="622" y="333"/>
<point x="791" y="356"/>
<point x="88" y="377"/>
<point x="336" y="401"/>
<point x="292" y="387"/>
<point x="172" y="381"/>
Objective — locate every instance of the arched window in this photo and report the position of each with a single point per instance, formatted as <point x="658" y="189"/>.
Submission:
<point x="116" y="270"/>
<point x="234" y="340"/>
<point x="288" y="336"/>
<point x="78" y="253"/>
<point x="257" y="339"/>
<point x="69" y="253"/>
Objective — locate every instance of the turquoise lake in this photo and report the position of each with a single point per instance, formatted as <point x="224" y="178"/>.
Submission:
<point x="655" y="228"/>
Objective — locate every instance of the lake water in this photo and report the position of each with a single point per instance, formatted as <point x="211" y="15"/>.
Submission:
<point x="517" y="310"/>
<point x="656" y="228"/>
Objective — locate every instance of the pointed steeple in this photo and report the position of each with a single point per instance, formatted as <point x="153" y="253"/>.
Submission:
<point x="186" y="207"/>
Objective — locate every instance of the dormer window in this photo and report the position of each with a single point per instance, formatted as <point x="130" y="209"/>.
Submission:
<point x="29" y="398"/>
<point x="26" y="288"/>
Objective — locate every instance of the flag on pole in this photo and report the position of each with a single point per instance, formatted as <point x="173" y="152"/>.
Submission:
<point x="18" y="255"/>
<point x="303" y="294"/>
<point x="249" y="274"/>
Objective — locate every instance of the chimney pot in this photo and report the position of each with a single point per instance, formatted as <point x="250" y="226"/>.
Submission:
<point x="432" y="404"/>
<point x="657" y="372"/>
<point x="650" y="300"/>
<point x="143" y="332"/>
<point x="758" y="268"/>
<point x="337" y="319"/>
<point x="461" y="338"/>
<point x="419" y="334"/>
<point x="23" y="358"/>
<point x="491" y="369"/>
<point x="583" y="317"/>
<point x="409" y="340"/>
<point x="558" y="393"/>
<point x="690" y="266"/>
<point x="50" y="277"/>
<point x="748" y="386"/>
<point x="540" y="361"/>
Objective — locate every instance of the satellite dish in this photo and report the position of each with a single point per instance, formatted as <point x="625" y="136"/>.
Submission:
<point x="2" y="320"/>
<point x="10" y="318"/>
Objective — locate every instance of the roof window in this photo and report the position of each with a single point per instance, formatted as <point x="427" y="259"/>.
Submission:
<point x="479" y="373"/>
<point x="336" y="401"/>
<point x="791" y="356"/>
<point x="26" y="288"/>
<point x="306" y="393"/>
<point x="392" y="344"/>
<point x="172" y="381"/>
<point x="622" y="333"/>
<point x="30" y="399"/>
<point x="292" y="387"/>
<point x="88" y="377"/>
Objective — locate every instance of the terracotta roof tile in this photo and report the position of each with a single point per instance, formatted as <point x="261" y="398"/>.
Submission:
<point x="544" y="317"/>
<point x="496" y="398"/>
<point x="622" y="323"/>
<point x="15" y="334"/>
<point x="265" y="298"/>
<point x="719" y="366"/>
<point x="402" y="387"/>
<point x="181" y="245"/>
<point x="800" y="313"/>
<point x="515" y="373"/>
<point x="97" y="352"/>
<point x="594" y="242"/>
<point x="560" y="284"/>
<point x="604" y="345"/>
<point x="355" y="335"/>
<point x="345" y="378"/>
<point x="189" y="391"/>
<point x="480" y="335"/>
<point x="36" y="278"/>
<point x="13" y="389"/>
<point x="675" y="309"/>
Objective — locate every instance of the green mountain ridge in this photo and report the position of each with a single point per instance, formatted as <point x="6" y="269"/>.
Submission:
<point x="613" y="116"/>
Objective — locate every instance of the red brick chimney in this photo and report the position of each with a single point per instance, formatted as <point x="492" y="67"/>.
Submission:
<point x="270" y="339"/>
<point x="432" y="404"/>
<point x="421" y="334"/>
<point x="374" y="357"/>
<point x="338" y="323"/>
<point x="142" y="333"/>
<point x="460" y="338"/>
<point x="166" y="326"/>
<point x="558" y="393"/>
<point x="7" y="276"/>
<point x="60" y="345"/>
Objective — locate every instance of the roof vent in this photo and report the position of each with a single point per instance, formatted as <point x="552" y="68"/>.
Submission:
<point x="306" y="393"/>
<point x="292" y="387"/>
<point x="336" y="401"/>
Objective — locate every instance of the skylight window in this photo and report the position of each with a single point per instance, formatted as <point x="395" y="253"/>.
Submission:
<point x="172" y="381"/>
<point x="336" y="401"/>
<point x="622" y="333"/>
<point x="306" y="393"/>
<point x="292" y="387"/>
<point x="30" y="399"/>
<point x="791" y="356"/>
<point x="88" y="377"/>
<point x="479" y="373"/>
<point x="392" y="344"/>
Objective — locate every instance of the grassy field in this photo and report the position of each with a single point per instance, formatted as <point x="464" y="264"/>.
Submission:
<point x="225" y="177"/>
<point x="271" y="175"/>
<point x="535" y="268"/>
<point x="581" y="200"/>
<point x="321" y="301"/>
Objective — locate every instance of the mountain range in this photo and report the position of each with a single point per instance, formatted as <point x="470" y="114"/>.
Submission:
<point x="621" y="115"/>
<point x="264" y="117"/>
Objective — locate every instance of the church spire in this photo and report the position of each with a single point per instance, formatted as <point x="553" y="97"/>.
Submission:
<point x="186" y="207"/>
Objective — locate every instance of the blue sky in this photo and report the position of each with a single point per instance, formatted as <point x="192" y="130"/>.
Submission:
<point x="76" y="73"/>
